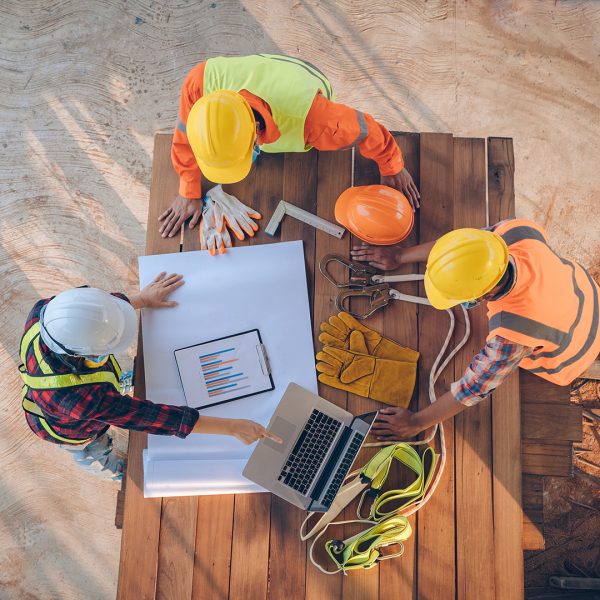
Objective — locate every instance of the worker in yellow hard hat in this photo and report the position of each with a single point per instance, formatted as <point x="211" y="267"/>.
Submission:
<point x="543" y="311"/>
<point x="232" y="108"/>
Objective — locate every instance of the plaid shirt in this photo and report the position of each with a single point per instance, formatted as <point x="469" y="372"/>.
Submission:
<point x="87" y="411"/>
<point x="488" y="369"/>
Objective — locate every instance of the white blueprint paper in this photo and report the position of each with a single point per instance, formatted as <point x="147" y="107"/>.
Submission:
<point x="262" y="287"/>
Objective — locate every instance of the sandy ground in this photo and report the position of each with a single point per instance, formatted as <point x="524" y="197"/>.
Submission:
<point x="85" y="85"/>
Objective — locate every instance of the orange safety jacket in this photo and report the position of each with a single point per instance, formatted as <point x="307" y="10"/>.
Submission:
<point x="328" y="126"/>
<point x="553" y="306"/>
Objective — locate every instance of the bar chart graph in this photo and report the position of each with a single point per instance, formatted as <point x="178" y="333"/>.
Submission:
<point x="222" y="373"/>
<point x="226" y="369"/>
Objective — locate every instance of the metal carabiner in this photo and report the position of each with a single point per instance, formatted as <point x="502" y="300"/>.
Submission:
<point x="377" y="295"/>
<point x="359" y="274"/>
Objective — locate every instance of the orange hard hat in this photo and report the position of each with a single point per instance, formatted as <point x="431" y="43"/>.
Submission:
<point x="377" y="214"/>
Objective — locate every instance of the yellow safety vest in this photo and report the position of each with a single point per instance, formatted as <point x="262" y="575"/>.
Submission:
<point x="288" y="85"/>
<point x="51" y="381"/>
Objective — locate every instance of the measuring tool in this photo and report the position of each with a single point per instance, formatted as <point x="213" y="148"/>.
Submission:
<point x="285" y="208"/>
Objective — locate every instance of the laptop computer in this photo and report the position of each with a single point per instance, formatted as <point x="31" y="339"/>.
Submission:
<point x="320" y="442"/>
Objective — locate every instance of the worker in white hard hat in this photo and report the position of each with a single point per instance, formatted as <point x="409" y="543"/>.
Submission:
<point x="232" y="108"/>
<point x="71" y="390"/>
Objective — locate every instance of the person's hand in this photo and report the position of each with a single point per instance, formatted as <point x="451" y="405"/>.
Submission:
<point x="385" y="258"/>
<point x="403" y="182"/>
<point x="249" y="432"/>
<point x="395" y="425"/>
<point x="155" y="294"/>
<point x="176" y="215"/>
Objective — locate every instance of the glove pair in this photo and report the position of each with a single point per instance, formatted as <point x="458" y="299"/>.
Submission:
<point x="359" y="360"/>
<point x="220" y="209"/>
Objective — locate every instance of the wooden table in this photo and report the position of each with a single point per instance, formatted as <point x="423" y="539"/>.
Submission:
<point x="467" y="540"/>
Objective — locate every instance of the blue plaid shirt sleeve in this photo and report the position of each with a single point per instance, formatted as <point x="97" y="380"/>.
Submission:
<point x="488" y="369"/>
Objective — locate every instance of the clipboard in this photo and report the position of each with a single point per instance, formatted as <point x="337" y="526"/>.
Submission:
<point x="224" y="369"/>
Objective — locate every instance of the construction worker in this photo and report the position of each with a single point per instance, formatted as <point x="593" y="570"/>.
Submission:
<point x="542" y="310"/>
<point x="232" y="108"/>
<point x="71" y="393"/>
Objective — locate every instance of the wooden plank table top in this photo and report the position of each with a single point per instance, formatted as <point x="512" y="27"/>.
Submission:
<point x="467" y="540"/>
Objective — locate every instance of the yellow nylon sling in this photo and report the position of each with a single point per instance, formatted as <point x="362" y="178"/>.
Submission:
<point x="50" y="381"/>
<point x="388" y="526"/>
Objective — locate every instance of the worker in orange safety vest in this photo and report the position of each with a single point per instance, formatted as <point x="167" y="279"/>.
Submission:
<point x="542" y="308"/>
<point x="232" y="108"/>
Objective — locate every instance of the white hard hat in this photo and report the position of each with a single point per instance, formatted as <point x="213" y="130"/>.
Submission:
<point x="87" y="322"/>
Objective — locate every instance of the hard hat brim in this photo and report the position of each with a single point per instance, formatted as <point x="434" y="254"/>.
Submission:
<point x="436" y="298"/>
<point x="231" y="174"/>
<point x="129" y="326"/>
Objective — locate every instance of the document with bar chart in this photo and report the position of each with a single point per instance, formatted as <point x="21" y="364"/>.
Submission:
<point x="224" y="369"/>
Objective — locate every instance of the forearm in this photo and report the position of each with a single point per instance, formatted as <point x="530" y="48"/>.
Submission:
<point x="214" y="425"/>
<point x="445" y="407"/>
<point x="413" y="254"/>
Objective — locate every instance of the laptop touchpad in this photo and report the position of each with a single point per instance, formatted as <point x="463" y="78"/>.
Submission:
<point x="285" y="430"/>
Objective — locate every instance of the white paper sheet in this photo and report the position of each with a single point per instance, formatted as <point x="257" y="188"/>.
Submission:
<point x="261" y="287"/>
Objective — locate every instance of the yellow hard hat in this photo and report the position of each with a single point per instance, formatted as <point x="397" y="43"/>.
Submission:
<point x="464" y="265"/>
<point x="221" y="130"/>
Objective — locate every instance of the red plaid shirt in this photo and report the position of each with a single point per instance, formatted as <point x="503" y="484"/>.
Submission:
<point x="87" y="411"/>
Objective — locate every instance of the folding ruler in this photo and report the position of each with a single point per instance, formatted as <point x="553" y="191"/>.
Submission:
<point x="285" y="208"/>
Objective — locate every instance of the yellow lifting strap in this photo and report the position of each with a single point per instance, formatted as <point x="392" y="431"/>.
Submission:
<point x="387" y="524"/>
<point x="50" y="381"/>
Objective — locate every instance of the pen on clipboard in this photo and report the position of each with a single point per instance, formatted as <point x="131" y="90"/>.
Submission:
<point x="263" y="359"/>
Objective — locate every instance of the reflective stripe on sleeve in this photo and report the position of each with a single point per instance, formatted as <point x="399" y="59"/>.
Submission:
<point x="362" y="134"/>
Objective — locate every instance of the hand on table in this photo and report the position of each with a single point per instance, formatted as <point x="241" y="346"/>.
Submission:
<point x="155" y="294"/>
<point x="403" y="182"/>
<point x="385" y="258"/>
<point x="175" y="216"/>
<point x="395" y="425"/>
<point x="249" y="432"/>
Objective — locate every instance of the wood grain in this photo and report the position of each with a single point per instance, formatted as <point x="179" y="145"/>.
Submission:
<point x="551" y="422"/>
<point x="177" y="548"/>
<point x="436" y="556"/>
<point x="287" y="553"/>
<point x="473" y="427"/>
<point x="506" y="431"/>
<point x="334" y="175"/>
<point x="398" y="578"/>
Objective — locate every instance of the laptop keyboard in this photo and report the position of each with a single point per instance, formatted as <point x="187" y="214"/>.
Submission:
<point x="343" y="469"/>
<point x="311" y="448"/>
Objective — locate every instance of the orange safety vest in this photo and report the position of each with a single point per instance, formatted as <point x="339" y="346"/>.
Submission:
<point x="553" y="306"/>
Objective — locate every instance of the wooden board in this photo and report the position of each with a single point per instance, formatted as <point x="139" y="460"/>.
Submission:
<point x="252" y="512"/>
<point x="176" y="548"/>
<point x="334" y="175"/>
<point x="473" y="440"/>
<point x="535" y="390"/>
<point x="506" y="431"/>
<point x="547" y="459"/>
<point x="533" y="517"/>
<point x="366" y="583"/>
<point x="436" y="558"/>
<point x="398" y="578"/>
<point x="287" y="576"/>
<point x="551" y="422"/>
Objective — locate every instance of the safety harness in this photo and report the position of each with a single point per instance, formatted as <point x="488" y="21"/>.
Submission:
<point x="389" y="511"/>
<point x="387" y="514"/>
<point x="51" y="381"/>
